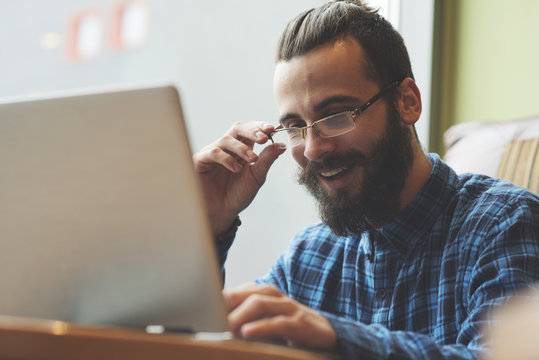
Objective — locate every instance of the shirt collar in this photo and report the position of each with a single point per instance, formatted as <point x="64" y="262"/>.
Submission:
<point x="413" y="222"/>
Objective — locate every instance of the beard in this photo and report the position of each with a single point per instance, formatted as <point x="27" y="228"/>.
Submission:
<point x="374" y="202"/>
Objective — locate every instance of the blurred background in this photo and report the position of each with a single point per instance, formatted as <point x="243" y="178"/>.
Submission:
<point x="473" y="60"/>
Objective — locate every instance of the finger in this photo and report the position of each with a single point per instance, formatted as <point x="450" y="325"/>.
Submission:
<point x="277" y="327"/>
<point x="267" y="157"/>
<point x="234" y="297"/>
<point x="251" y="132"/>
<point x="257" y="307"/>
<point x="227" y="151"/>
<point x="237" y="147"/>
<point x="237" y="144"/>
<point x="300" y="329"/>
<point x="206" y="160"/>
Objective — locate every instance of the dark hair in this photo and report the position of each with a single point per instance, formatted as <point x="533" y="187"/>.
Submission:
<point x="387" y="57"/>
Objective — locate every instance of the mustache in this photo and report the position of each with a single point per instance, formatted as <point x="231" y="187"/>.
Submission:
<point x="355" y="158"/>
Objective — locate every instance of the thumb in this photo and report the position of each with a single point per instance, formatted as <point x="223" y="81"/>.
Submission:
<point x="265" y="159"/>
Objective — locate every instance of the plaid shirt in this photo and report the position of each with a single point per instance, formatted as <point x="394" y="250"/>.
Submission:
<point x="423" y="286"/>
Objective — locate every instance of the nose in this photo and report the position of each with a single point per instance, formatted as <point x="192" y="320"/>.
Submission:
<point x="316" y="148"/>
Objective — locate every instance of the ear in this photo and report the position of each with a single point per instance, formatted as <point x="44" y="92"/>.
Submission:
<point x="409" y="101"/>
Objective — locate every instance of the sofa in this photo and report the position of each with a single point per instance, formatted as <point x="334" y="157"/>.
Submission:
<point x="507" y="150"/>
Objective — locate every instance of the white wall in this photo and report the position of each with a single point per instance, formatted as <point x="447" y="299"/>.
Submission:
<point x="416" y="26"/>
<point x="221" y="56"/>
<point x="415" y="21"/>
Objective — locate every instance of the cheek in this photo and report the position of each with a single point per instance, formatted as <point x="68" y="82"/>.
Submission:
<point x="297" y="154"/>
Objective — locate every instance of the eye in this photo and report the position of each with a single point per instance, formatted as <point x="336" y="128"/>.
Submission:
<point x="294" y="123"/>
<point x="338" y="121"/>
<point x="338" y="111"/>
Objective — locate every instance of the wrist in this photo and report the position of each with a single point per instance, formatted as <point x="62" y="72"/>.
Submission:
<point x="230" y="232"/>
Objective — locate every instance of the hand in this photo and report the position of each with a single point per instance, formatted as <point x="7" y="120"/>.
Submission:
<point x="231" y="173"/>
<point x="263" y="312"/>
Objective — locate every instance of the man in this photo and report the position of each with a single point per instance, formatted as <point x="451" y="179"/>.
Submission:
<point x="410" y="258"/>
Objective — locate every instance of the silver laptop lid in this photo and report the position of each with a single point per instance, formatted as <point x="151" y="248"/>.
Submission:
<point x="101" y="216"/>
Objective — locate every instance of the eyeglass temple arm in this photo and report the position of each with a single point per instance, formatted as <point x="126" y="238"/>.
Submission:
<point x="279" y="127"/>
<point x="376" y="97"/>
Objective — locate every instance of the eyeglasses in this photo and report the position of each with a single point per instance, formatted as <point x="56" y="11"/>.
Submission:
<point x="331" y="126"/>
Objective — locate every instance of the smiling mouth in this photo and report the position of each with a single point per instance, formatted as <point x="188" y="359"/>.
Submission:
<point x="333" y="172"/>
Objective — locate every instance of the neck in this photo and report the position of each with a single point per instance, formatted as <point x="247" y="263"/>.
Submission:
<point x="417" y="177"/>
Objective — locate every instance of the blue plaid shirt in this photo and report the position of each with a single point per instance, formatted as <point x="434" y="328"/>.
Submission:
<point x="421" y="287"/>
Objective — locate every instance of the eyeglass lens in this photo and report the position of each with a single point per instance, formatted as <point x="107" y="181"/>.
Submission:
<point x="328" y="127"/>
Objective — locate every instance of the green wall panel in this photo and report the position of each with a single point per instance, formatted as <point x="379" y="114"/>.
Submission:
<point x="496" y="69"/>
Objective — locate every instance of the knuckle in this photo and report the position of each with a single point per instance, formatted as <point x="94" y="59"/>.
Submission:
<point x="299" y="317"/>
<point x="257" y="301"/>
<point x="285" y="320"/>
<point x="256" y="131"/>
<point x="214" y="151"/>
<point x="286" y="326"/>
<point x="228" y="293"/>
<point x="247" y="287"/>
<point x="282" y="322"/>
<point x="228" y="137"/>
<point x="235" y="126"/>
<point x="233" y="299"/>
<point x="230" y="162"/>
<point x="271" y="290"/>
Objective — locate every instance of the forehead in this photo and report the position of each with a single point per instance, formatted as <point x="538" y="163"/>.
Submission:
<point x="339" y="67"/>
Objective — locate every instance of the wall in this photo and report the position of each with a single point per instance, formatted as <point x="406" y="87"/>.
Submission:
<point x="221" y="57"/>
<point x="496" y="60"/>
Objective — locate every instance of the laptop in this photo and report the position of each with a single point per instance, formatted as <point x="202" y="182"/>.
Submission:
<point x="101" y="216"/>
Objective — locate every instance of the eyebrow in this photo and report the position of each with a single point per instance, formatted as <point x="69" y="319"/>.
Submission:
<point x="337" y="99"/>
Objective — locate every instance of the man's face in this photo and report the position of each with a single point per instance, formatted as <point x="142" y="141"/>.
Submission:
<point x="358" y="176"/>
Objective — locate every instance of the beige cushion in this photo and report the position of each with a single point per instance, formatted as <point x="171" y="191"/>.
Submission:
<point x="520" y="164"/>
<point x="507" y="150"/>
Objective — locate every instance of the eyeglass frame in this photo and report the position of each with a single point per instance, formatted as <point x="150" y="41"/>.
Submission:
<point x="355" y="113"/>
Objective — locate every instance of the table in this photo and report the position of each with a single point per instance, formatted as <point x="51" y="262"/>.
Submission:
<point x="22" y="338"/>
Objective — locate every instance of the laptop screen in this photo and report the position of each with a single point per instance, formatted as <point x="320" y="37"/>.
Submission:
<point x="101" y="216"/>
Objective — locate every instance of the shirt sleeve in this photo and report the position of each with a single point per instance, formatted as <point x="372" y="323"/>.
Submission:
<point x="276" y="276"/>
<point x="221" y="248"/>
<point x="370" y="342"/>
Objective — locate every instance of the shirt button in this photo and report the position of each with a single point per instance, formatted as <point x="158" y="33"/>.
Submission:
<point x="381" y="293"/>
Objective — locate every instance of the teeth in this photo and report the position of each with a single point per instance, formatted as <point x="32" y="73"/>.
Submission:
<point x="332" y="172"/>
